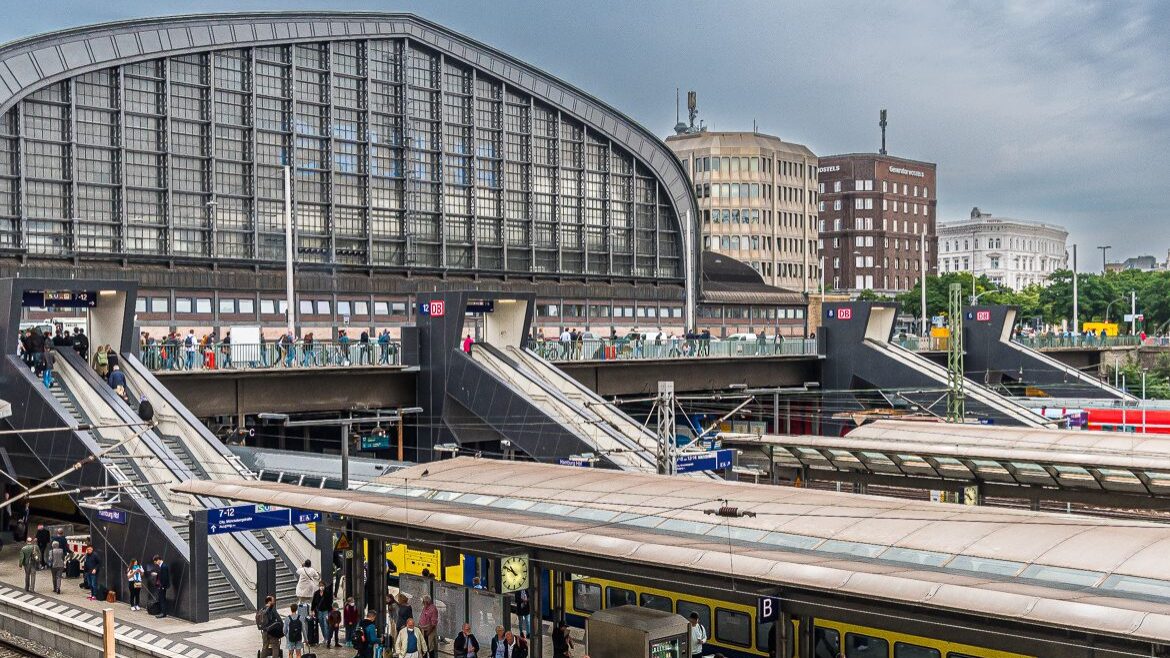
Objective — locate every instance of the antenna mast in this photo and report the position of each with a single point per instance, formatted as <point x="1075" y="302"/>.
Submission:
<point x="882" y="123"/>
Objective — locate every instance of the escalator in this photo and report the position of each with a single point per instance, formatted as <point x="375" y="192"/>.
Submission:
<point x="203" y="454"/>
<point x="980" y="399"/>
<point x="561" y="413"/>
<point x="148" y="467"/>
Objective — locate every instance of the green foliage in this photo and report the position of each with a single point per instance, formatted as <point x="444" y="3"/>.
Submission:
<point x="1157" y="379"/>
<point x="1098" y="295"/>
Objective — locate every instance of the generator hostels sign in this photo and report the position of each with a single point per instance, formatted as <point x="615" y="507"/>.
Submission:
<point x="907" y="172"/>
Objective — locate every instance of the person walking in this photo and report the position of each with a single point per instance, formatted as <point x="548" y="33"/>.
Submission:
<point x="225" y="346"/>
<point x="307" y="579"/>
<point x="698" y="635"/>
<point x="410" y="643"/>
<point x="271" y="628"/>
<point x="428" y="623"/>
<point x="81" y="343"/>
<point x="499" y="644"/>
<point x="56" y="561"/>
<point x="320" y="607"/>
<point x="190" y="344"/>
<point x="334" y="620"/>
<point x="91" y="566"/>
<point x="117" y="381"/>
<point x="515" y="648"/>
<point x="524" y="612"/>
<point x="162" y="582"/>
<point x="561" y="640"/>
<point x="43" y="544"/>
<point x="50" y="361"/>
<point x="402" y="611"/>
<point x="134" y="575"/>
<point x="294" y="632"/>
<point x="368" y="635"/>
<point x="349" y="617"/>
<point x="466" y="646"/>
<point x="145" y="410"/>
<point x="30" y="561"/>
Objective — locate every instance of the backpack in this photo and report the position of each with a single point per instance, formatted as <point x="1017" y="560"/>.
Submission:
<point x="295" y="629"/>
<point x="261" y="617"/>
<point x="360" y="639"/>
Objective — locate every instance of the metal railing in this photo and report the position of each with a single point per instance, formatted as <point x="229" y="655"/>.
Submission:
<point x="1050" y="341"/>
<point x="628" y="349"/>
<point x="921" y="343"/>
<point x="242" y="356"/>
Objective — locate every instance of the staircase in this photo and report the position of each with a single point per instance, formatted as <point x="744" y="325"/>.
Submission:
<point x="221" y="596"/>
<point x="286" y="580"/>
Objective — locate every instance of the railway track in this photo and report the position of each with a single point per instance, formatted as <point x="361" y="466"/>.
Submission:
<point x="13" y="651"/>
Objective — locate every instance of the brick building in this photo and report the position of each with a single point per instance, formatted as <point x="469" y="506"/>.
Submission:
<point x="874" y="213"/>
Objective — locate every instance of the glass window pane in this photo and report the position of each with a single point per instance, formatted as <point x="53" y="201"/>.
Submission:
<point x="203" y="305"/>
<point x="826" y="643"/>
<point x="586" y="596"/>
<point x="246" y="305"/>
<point x="656" y="602"/>
<point x="381" y="308"/>
<point x="183" y="305"/>
<point x="227" y="306"/>
<point x="306" y="307"/>
<point x="158" y="304"/>
<point x="764" y="633"/>
<point x="361" y="308"/>
<point x="322" y="307"/>
<point x="267" y="306"/>
<point x="615" y="596"/>
<point x="733" y="627"/>
<point x="865" y="646"/>
<point x="685" y="608"/>
<point x="904" y="650"/>
<point x="140" y="305"/>
<point x="343" y="308"/>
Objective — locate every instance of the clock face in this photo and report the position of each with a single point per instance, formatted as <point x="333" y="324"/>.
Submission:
<point x="514" y="573"/>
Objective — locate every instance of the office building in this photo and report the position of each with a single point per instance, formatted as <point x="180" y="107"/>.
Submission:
<point x="877" y="216"/>
<point x="757" y="200"/>
<point x="1012" y="253"/>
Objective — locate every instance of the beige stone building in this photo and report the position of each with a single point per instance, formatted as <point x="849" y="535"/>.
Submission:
<point x="758" y="202"/>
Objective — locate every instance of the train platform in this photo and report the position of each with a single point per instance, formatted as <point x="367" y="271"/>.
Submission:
<point x="138" y="633"/>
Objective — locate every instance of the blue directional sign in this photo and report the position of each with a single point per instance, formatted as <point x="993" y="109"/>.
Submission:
<point x="712" y="460"/>
<point x="113" y="516"/>
<point x="301" y="517"/>
<point x="375" y="442"/>
<point x="569" y="461"/>
<point x="245" y="517"/>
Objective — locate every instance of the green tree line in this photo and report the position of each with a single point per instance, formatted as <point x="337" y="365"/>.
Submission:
<point x="1099" y="294"/>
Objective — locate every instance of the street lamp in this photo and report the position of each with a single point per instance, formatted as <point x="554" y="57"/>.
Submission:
<point x="1104" y="262"/>
<point x="1109" y="306"/>
<point x="975" y="298"/>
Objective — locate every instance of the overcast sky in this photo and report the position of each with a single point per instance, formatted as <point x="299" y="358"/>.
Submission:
<point x="1037" y="109"/>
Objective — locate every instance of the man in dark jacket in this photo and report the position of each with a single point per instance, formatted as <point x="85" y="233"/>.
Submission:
<point x="466" y="646"/>
<point x="43" y="538"/>
<point x="91" y="566"/>
<point x="81" y="343"/>
<point x="162" y="581"/>
<point x="266" y="619"/>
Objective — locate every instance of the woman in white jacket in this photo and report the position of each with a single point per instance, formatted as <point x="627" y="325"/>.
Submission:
<point x="308" y="579"/>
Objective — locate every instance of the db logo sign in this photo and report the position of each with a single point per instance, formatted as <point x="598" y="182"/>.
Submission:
<point x="437" y="309"/>
<point x="844" y="314"/>
<point x="983" y="316"/>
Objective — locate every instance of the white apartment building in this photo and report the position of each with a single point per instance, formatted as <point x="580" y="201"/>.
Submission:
<point x="1012" y="253"/>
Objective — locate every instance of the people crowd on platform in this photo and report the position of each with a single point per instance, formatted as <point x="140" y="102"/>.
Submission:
<point x="36" y="348"/>
<point x="177" y="351"/>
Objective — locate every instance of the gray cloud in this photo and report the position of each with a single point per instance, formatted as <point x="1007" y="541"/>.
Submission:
<point x="1040" y="109"/>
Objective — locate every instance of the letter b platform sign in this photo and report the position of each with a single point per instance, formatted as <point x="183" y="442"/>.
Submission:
<point x="768" y="609"/>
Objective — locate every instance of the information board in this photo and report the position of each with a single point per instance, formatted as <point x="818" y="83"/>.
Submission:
<point x="375" y="442"/>
<point x="242" y="518"/>
<point x="113" y="516"/>
<point x="713" y="460"/>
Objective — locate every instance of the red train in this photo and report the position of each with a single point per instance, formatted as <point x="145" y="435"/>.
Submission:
<point x="1148" y="421"/>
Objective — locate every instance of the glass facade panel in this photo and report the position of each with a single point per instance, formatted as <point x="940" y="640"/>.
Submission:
<point x="401" y="157"/>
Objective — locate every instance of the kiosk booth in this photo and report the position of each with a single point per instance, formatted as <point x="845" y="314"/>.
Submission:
<point x="630" y="631"/>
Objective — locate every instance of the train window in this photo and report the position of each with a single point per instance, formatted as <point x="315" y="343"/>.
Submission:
<point x="586" y="597"/>
<point x="733" y="627"/>
<point x="615" y="596"/>
<point x="764" y="633"/>
<point x="903" y="650"/>
<point x="865" y="646"/>
<point x="826" y="643"/>
<point x="685" y="608"/>
<point x="655" y="602"/>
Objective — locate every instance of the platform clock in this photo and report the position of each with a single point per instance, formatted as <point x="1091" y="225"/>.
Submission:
<point x="514" y="573"/>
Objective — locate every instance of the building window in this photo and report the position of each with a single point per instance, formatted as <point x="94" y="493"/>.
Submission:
<point x="158" y="304"/>
<point x="203" y="305"/>
<point x="837" y="186"/>
<point x="246" y="306"/>
<point x="227" y="306"/>
<point x="183" y="305"/>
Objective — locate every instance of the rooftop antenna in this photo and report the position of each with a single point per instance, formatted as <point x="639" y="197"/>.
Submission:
<point x="882" y="123"/>
<point x="676" y="117"/>
<point x="680" y="128"/>
<point x="692" y="108"/>
<point x="755" y="126"/>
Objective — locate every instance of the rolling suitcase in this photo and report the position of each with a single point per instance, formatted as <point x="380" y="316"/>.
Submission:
<point x="72" y="569"/>
<point x="312" y="633"/>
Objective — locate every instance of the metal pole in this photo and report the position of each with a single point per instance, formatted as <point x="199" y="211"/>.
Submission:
<point x="400" y="421"/>
<point x="922" y="284"/>
<point x="1132" y="313"/>
<point x="288" y="247"/>
<point x="1076" y="296"/>
<point x="1144" y="402"/>
<point x="345" y="456"/>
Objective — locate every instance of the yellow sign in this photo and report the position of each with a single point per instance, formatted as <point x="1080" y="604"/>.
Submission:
<point x="342" y="543"/>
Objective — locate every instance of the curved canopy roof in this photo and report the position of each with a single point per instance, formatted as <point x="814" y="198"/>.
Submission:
<point x="1063" y="571"/>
